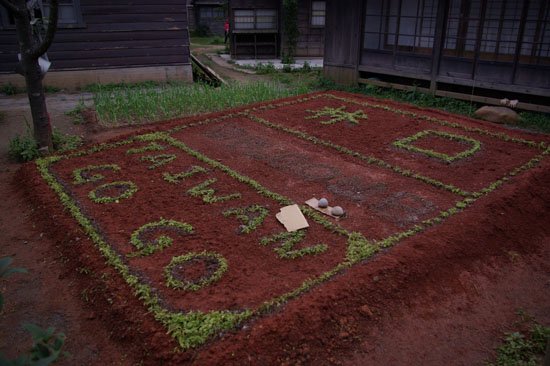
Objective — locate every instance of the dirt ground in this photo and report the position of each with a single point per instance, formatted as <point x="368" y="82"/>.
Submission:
<point x="454" y="319"/>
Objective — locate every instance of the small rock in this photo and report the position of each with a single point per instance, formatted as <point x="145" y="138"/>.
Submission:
<point x="337" y="211"/>
<point x="497" y="114"/>
<point x="365" y="310"/>
<point x="323" y="203"/>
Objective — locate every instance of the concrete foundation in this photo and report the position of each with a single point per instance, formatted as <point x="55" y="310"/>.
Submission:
<point x="76" y="79"/>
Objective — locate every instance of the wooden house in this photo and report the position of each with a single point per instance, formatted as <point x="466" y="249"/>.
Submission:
<point x="471" y="49"/>
<point x="207" y="16"/>
<point x="257" y="28"/>
<point x="108" y="42"/>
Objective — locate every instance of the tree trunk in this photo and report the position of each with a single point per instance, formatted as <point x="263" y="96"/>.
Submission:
<point x="33" y="80"/>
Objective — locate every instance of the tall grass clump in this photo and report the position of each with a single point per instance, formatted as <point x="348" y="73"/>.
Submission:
<point x="122" y="104"/>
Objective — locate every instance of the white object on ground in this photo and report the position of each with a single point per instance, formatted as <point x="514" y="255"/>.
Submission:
<point x="292" y="218"/>
<point x="323" y="203"/>
<point x="337" y="211"/>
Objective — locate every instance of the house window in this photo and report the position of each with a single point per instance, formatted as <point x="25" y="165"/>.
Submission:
<point x="6" y="19"/>
<point x="211" y="12"/>
<point x="318" y="12"/>
<point x="403" y="25"/>
<point x="255" y="19"/>
<point x="69" y="13"/>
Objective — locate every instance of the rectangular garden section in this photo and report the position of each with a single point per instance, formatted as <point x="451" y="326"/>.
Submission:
<point x="186" y="215"/>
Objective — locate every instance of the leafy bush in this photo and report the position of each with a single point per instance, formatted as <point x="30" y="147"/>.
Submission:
<point x="45" y="350"/>
<point x="202" y="30"/>
<point x="9" y="89"/>
<point x="263" y="69"/>
<point x="25" y="148"/>
<point x="5" y="272"/>
<point x="523" y="350"/>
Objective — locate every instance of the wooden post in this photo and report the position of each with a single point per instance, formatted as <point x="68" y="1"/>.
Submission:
<point x="439" y="42"/>
<point x="519" y="41"/>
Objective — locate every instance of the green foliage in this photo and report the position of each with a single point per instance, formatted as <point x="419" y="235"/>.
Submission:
<point x="195" y="285"/>
<point x="158" y="160"/>
<point x="359" y="248"/>
<point x="63" y="142"/>
<point x="406" y="144"/>
<point x="263" y="69"/>
<point x="251" y="217"/>
<point x="46" y="345"/>
<point x="5" y="272"/>
<point x="290" y="29"/>
<point x="176" y="178"/>
<point x="81" y="175"/>
<point x="51" y="89"/>
<point x="421" y="99"/>
<point x="23" y="148"/>
<point x="523" y="349"/>
<point x="206" y="40"/>
<point x="45" y="350"/>
<point x="97" y="196"/>
<point x="9" y="89"/>
<point x="337" y="115"/>
<point x="536" y="121"/>
<point x="194" y="328"/>
<point x="288" y="241"/>
<point x="153" y="146"/>
<point x="208" y="194"/>
<point x="201" y="30"/>
<point x="145" y="248"/>
<point x="76" y="112"/>
<point x="117" y="104"/>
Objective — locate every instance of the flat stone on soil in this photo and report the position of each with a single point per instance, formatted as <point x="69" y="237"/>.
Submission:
<point x="497" y="114"/>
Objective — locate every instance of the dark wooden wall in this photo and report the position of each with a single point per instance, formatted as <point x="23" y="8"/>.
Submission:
<point x="312" y="39"/>
<point x="358" y="38"/>
<point x="119" y="33"/>
<point x="343" y="29"/>
<point x="215" y="25"/>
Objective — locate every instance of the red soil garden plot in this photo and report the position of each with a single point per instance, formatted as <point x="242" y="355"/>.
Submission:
<point x="185" y="214"/>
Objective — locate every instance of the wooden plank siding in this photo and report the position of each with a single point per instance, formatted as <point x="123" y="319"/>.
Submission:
<point x="311" y="39"/>
<point x="115" y="34"/>
<point x="483" y="47"/>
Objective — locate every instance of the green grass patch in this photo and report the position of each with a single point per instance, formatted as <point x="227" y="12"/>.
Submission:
<point x="24" y="147"/>
<point x="421" y="99"/>
<point x="523" y="348"/>
<point x="535" y="121"/>
<point x="147" y="102"/>
<point x="207" y="41"/>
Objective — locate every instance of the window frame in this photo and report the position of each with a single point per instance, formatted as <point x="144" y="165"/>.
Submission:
<point x="79" y="21"/>
<point x="255" y="28"/>
<point x="5" y="20"/>
<point x="311" y="16"/>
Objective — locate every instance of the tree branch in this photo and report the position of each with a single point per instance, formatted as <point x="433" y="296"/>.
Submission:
<point x="50" y="33"/>
<point x="10" y="6"/>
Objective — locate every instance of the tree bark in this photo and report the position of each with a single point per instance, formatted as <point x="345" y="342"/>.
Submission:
<point x="31" y="50"/>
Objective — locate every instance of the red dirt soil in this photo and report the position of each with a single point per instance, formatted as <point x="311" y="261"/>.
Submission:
<point x="442" y="296"/>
